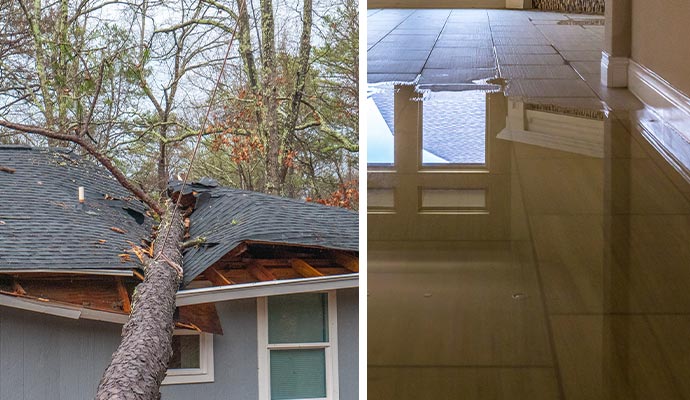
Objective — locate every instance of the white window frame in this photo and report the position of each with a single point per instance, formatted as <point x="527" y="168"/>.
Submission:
<point x="204" y="373"/>
<point x="330" y="347"/>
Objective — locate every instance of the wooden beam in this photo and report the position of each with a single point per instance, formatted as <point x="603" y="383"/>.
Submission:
<point x="17" y="288"/>
<point x="202" y="316"/>
<point x="240" y="249"/>
<point x="304" y="269"/>
<point x="122" y="290"/>
<point x="216" y="278"/>
<point x="260" y="272"/>
<point x="347" y="261"/>
<point x="138" y="274"/>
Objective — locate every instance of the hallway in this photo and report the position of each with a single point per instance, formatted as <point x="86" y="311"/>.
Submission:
<point x="554" y="267"/>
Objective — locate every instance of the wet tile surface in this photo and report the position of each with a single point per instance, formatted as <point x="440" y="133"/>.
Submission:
<point x="573" y="282"/>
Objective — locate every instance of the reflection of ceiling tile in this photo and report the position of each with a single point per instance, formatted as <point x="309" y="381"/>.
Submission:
<point x="455" y="76"/>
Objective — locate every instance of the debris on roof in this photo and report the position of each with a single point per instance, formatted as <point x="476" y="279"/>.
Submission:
<point x="62" y="249"/>
<point x="43" y="226"/>
<point x="227" y="217"/>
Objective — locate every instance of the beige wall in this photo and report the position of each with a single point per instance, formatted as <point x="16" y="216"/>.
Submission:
<point x="661" y="39"/>
<point x="436" y="3"/>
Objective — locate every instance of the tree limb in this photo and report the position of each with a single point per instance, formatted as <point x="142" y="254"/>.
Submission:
<point x="105" y="161"/>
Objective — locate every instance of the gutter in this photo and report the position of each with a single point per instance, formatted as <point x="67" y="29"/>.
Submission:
<point x="107" y="272"/>
<point x="61" y="310"/>
<point x="268" y="288"/>
<point x="193" y="296"/>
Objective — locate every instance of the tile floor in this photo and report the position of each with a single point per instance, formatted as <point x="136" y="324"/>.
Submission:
<point x="575" y="282"/>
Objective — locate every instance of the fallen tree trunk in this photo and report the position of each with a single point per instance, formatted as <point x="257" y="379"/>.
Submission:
<point x="139" y="364"/>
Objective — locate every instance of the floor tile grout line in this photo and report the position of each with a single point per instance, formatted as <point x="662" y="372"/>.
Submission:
<point x="389" y="32"/>
<point x="433" y="46"/>
<point x="542" y="292"/>
<point x="499" y="74"/>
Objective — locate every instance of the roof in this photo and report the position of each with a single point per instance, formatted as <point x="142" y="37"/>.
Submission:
<point x="228" y="217"/>
<point x="42" y="225"/>
<point x="46" y="233"/>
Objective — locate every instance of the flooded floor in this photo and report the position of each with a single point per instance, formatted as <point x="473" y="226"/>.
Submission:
<point x="555" y="264"/>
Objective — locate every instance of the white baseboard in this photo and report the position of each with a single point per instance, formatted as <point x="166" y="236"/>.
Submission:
<point x="672" y="106"/>
<point x="554" y="130"/>
<point x="614" y="71"/>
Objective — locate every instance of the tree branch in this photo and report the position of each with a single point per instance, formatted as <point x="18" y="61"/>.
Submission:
<point x="105" y="161"/>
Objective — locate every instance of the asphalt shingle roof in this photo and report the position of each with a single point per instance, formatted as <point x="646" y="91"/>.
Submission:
<point x="41" y="224"/>
<point x="227" y="217"/>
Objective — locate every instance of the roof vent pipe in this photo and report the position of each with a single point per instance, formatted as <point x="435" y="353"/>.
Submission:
<point x="81" y="194"/>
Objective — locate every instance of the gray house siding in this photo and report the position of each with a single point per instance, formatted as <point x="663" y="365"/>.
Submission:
<point x="52" y="358"/>
<point x="348" y="343"/>
<point x="44" y="357"/>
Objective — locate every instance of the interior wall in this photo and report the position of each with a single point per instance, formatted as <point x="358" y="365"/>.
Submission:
<point x="660" y="32"/>
<point x="436" y="3"/>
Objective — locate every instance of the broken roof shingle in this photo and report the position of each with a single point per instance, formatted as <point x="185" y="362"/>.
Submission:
<point x="42" y="225"/>
<point x="227" y="217"/>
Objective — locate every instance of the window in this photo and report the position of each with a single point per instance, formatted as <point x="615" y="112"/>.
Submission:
<point x="298" y="347"/>
<point x="192" y="359"/>
<point x="452" y="200"/>
<point x="380" y="200"/>
<point x="454" y="129"/>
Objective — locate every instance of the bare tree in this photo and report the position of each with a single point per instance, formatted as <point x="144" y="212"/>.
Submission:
<point x="71" y="60"/>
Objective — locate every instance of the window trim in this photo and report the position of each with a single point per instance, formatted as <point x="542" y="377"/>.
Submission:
<point x="330" y="349"/>
<point x="205" y="372"/>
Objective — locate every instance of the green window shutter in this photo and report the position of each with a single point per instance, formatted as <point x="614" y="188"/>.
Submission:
<point x="300" y="318"/>
<point x="298" y="374"/>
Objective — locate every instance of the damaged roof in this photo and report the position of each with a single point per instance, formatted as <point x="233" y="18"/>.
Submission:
<point x="42" y="224"/>
<point x="227" y="217"/>
<point x="44" y="227"/>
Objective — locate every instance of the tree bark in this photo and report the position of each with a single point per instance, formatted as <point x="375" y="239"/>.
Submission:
<point x="139" y="364"/>
<point x="272" y="185"/>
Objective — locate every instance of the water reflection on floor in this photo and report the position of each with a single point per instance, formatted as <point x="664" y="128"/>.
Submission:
<point x="570" y="281"/>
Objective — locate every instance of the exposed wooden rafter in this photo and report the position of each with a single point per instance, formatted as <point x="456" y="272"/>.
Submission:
<point x="122" y="291"/>
<point x="216" y="278"/>
<point x="17" y="288"/>
<point x="303" y="268"/>
<point x="347" y="261"/>
<point x="260" y="272"/>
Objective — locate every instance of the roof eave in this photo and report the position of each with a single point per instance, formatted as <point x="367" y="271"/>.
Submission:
<point x="61" y="310"/>
<point x="263" y="289"/>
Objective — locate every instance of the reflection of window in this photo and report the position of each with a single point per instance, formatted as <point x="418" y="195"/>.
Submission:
<point x="380" y="143"/>
<point x="452" y="199"/>
<point x="192" y="359"/>
<point x="454" y="128"/>
<point x="297" y="347"/>
<point x="380" y="200"/>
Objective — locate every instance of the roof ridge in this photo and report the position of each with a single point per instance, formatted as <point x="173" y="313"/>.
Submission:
<point x="273" y="196"/>
<point x="33" y="148"/>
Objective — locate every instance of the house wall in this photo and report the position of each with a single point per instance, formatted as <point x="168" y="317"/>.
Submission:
<point x="52" y="358"/>
<point x="348" y="343"/>
<point x="234" y="356"/>
<point x="44" y="357"/>
<point x="660" y="32"/>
